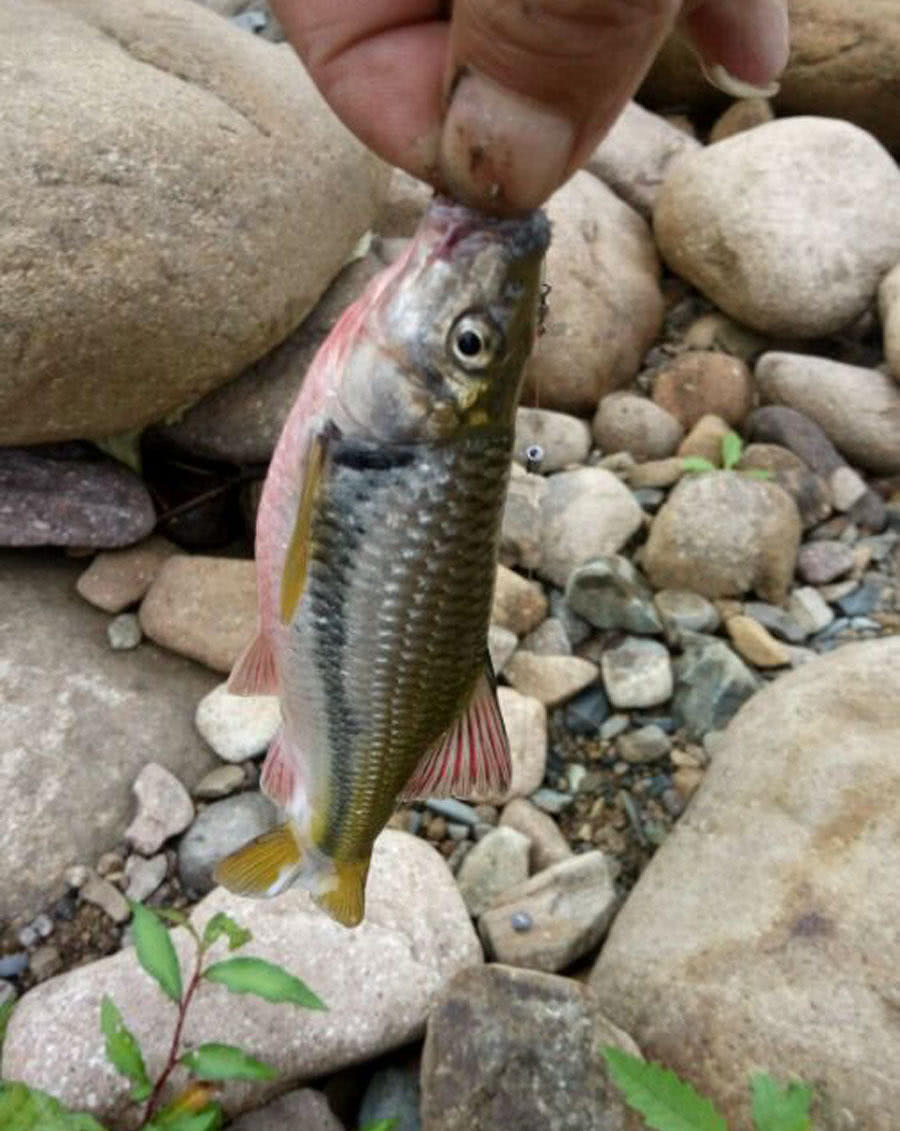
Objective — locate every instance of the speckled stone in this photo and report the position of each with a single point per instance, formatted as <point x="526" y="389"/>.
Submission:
<point x="637" y="673"/>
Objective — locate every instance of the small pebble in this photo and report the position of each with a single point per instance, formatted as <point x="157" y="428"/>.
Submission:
<point x="164" y="809"/>
<point x="437" y="828"/>
<point x="521" y="921"/>
<point x="144" y="876"/>
<point x="614" y="726"/>
<point x="488" y="814"/>
<point x="808" y="608"/>
<point x="823" y="561"/>
<point x="453" y="810"/>
<point x="77" y="875"/>
<point x="45" y="962"/>
<point x="865" y="599"/>
<point x="645" y="745"/>
<point x="11" y="965"/>
<point x="109" y="862"/>
<point x="109" y="899"/>
<point x="237" y="727"/>
<point x="551" y="800"/>
<point x="637" y="673"/>
<point x="43" y="924"/>
<point x="479" y="832"/>
<point x="124" y="632"/>
<point x="27" y="937"/>
<point x="220" y="782"/>
<point x="575" y="775"/>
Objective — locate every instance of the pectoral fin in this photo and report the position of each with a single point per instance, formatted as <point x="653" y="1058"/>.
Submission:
<point x="254" y="672"/>
<point x="296" y="562"/>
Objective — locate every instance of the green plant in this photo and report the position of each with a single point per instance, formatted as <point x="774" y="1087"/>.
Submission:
<point x="732" y="446"/>
<point x="668" y="1103"/>
<point x="193" y="1109"/>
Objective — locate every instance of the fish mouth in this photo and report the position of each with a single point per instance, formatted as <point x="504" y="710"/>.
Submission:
<point x="456" y="224"/>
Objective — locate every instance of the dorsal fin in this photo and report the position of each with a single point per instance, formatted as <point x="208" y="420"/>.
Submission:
<point x="296" y="561"/>
<point x="472" y="758"/>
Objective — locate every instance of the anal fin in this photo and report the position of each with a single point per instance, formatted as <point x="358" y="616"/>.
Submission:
<point x="471" y="759"/>
<point x="264" y="866"/>
<point x="254" y="672"/>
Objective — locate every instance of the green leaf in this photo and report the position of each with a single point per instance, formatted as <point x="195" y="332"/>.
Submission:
<point x="759" y="473"/>
<point x="222" y="924"/>
<point x="225" y="1062"/>
<point x="155" y="950"/>
<point x="208" y="1118"/>
<point x="697" y="463"/>
<point x="123" y="1050"/>
<point x="382" y="1125"/>
<point x="731" y="449"/>
<point x="780" y="1109"/>
<point x="665" y="1102"/>
<point x="265" y="979"/>
<point x="6" y="1011"/>
<point x="26" y="1109"/>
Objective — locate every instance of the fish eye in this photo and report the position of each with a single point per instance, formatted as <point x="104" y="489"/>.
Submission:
<point x="474" y="341"/>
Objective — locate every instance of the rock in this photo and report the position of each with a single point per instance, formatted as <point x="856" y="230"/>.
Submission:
<point x="144" y="876"/>
<point x="847" y="488"/>
<point x="824" y="561"/>
<point x="810" y="493"/>
<point x="525" y="719"/>
<point x="12" y="965"/>
<point x="637" y="673"/>
<point x="889" y="308"/>
<point x="716" y="331"/>
<point x="715" y="225"/>
<point x="769" y="457"/>
<point x="393" y="1094"/>
<point x="711" y="683"/>
<point x="119" y="578"/>
<point x="777" y="424"/>
<point x="79" y="722"/>
<point x="625" y="422"/>
<point x="655" y="473"/>
<point x="164" y="809"/>
<point x="549" y="921"/>
<point x="610" y="593"/>
<point x="634" y="156"/>
<point x="203" y="608"/>
<point x="563" y="439"/>
<point x="587" y="712"/>
<point x="548" y="639"/>
<point x="501" y="645"/>
<point x="520" y="530"/>
<point x="705" y="439"/>
<point x="809" y="610"/>
<point x="755" y="644"/>
<point x="500" y="1044"/>
<point x="577" y="628"/>
<point x="859" y="409"/>
<point x="237" y="727"/>
<point x="777" y="621"/>
<point x="218" y="829"/>
<point x="549" y="679"/>
<point x="781" y="873"/>
<point x="686" y="611"/>
<point x="646" y="744"/>
<point x="403" y="206"/>
<point x="548" y="845"/>
<point x="865" y="599"/>
<point x="49" y="501"/>
<point x="218" y="783"/>
<point x="302" y="1110"/>
<point x="604" y="272"/>
<point x="122" y="99"/>
<point x="519" y="605"/>
<point x="744" y="114"/>
<point x="108" y="898"/>
<point x="703" y="382"/>
<point x="44" y="962"/>
<point x="586" y="513"/>
<point x="497" y="862"/>
<point x="721" y="534"/>
<point x="124" y="632"/>
<point x="378" y="981"/>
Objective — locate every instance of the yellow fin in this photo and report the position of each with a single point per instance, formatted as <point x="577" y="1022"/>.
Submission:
<point x="264" y="866"/>
<point x="296" y="562"/>
<point x="346" y="901"/>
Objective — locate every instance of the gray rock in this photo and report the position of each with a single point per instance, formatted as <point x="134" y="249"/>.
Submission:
<point x="108" y="898"/>
<point x="453" y="810"/>
<point x="637" y="673"/>
<point x="92" y="503"/>
<point x="809" y="610"/>
<point x="548" y="845"/>
<point x="301" y="1110"/>
<point x="379" y="982"/>
<point x="551" y="800"/>
<point x="588" y="711"/>
<point x="549" y="921"/>
<point x="12" y="965"/>
<point x="124" y="632"/>
<point x="686" y="611"/>
<point x="610" y="593"/>
<point x="711" y="683"/>
<point x="218" y="783"/>
<point x="824" y="561"/>
<point x="867" y="598"/>
<point x="777" y="889"/>
<point x="392" y="1093"/>
<point x="497" y="862"/>
<point x="548" y="639"/>
<point x="626" y="422"/>
<point x="500" y="1044"/>
<point x="164" y="809"/>
<point x="237" y="727"/>
<point x="144" y="876"/>
<point x="577" y="628"/>
<point x="778" y="424"/>
<point x="778" y="621"/>
<point x="79" y="723"/>
<point x="564" y="440"/>
<point x="218" y="829"/>
<point x="647" y="744"/>
<point x="109" y="330"/>
<point x="44" y="962"/>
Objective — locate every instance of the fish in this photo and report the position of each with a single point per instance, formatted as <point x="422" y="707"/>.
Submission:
<point x="376" y="548"/>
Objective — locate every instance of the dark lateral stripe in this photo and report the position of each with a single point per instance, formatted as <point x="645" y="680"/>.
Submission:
<point x="370" y="457"/>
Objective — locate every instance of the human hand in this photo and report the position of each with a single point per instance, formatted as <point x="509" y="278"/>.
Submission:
<point x="497" y="102"/>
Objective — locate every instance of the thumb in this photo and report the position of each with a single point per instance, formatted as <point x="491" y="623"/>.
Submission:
<point x="532" y="86"/>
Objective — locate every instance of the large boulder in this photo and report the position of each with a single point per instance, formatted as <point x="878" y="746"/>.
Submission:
<point x="177" y="195"/>
<point x="79" y="723"/>
<point x="763" y="934"/>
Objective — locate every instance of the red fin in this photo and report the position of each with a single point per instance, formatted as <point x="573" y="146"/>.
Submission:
<point x="472" y="758"/>
<point x="254" y="673"/>
<point x="278" y="780"/>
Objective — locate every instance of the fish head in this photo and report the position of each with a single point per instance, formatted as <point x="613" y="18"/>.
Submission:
<point x="445" y="337"/>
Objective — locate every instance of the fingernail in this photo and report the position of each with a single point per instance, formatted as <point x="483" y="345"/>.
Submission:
<point x="761" y="46"/>
<point x="500" y="149"/>
<point x="737" y="88"/>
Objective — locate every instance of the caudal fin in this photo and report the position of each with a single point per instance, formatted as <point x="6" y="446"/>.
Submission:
<point x="345" y="900"/>
<point x="264" y="866"/>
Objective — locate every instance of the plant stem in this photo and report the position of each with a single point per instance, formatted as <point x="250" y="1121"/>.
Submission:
<point x="174" y="1048"/>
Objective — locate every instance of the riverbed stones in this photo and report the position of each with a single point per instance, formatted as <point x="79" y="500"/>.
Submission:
<point x="716" y="227"/>
<point x="497" y="862"/>
<point x="562" y="439"/>
<point x="604" y="271"/>
<point x="519" y="604"/>
<point x="237" y="727"/>
<point x="610" y="593"/>
<point x="525" y="719"/>
<point x="824" y="560"/>
<point x="378" y="981"/>
<point x="164" y="809"/>
<point x="637" y="673"/>
<point x="122" y="103"/>
<point x="722" y="534"/>
<point x="625" y="422"/>
<point x="699" y="382"/>
<point x="858" y="408"/>
<point x="769" y="914"/>
<point x="116" y="579"/>
<point x="549" y="679"/>
<point x="711" y="683"/>
<point x="755" y="643"/>
<point x="548" y="845"/>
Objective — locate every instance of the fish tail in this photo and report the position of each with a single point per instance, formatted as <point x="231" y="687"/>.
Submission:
<point x="341" y="890"/>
